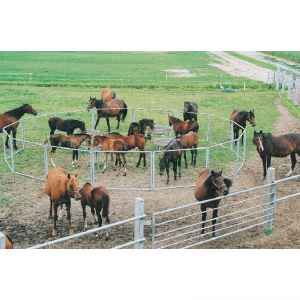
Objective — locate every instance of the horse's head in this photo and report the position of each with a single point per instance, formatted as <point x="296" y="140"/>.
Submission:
<point x="251" y="117"/>
<point x="73" y="186"/>
<point x="85" y="191"/>
<point x="147" y="127"/>
<point x="221" y="184"/>
<point x="92" y="103"/>
<point x="28" y="109"/>
<point x="258" y="140"/>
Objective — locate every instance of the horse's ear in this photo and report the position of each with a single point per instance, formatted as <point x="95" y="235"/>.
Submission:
<point x="69" y="176"/>
<point x="221" y="172"/>
<point x="76" y="175"/>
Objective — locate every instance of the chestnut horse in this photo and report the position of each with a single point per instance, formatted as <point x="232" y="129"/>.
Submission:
<point x="11" y="117"/>
<point x="73" y="141"/>
<point x="268" y="145"/>
<point x="182" y="127"/>
<point x="133" y="141"/>
<point x="97" y="198"/>
<point x="114" y="108"/>
<point x="61" y="186"/>
<point x="189" y="141"/>
<point x="106" y="143"/>
<point x="9" y="244"/>
<point x="210" y="185"/>
<point x="240" y="119"/>
<point x="68" y="125"/>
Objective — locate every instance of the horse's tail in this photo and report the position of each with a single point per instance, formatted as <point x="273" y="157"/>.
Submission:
<point x="105" y="207"/>
<point x="124" y="112"/>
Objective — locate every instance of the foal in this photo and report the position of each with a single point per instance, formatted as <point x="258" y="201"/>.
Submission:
<point x="182" y="127"/>
<point x="240" y="119"/>
<point x="210" y="185"/>
<point x="97" y="198"/>
<point x="68" y="125"/>
<point x="268" y="145"/>
<point x="143" y="126"/>
<point x="189" y="141"/>
<point x="11" y="117"/>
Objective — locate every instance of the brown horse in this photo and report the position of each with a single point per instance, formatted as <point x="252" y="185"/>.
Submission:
<point x="97" y="198"/>
<point x="114" y="108"/>
<point x="111" y="144"/>
<point x="61" y="186"/>
<point x="182" y="127"/>
<point x="68" y="125"/>
<point x="73" y="141"/>
<point x="240" y="119"/>
<point x="210" y="185"/>
<point x="189" y="141"/>
<point x="9" y="244"/>
<point x="133" y="141"/>
<point x="11" y="117"/>
<point x="268" y="145"/>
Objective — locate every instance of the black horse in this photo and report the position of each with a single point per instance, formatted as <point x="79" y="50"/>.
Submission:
<point x="190" y="111"/>
<point x="240" y="119"/>
<point x="68" y="125"/>
<point x="210" y="185"/>
<point x="172" y="154"/>
<point x="143" y="126"/>
<point x="268" y="145"/>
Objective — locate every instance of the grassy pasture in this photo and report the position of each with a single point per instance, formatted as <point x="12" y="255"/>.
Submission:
<point x="289" y="55"/>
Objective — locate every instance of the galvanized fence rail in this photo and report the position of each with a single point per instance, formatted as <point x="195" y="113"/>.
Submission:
<point x="152" y="181"/>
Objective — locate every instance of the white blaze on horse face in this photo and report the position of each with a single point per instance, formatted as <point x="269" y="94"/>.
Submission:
<point x="261" y="147"/>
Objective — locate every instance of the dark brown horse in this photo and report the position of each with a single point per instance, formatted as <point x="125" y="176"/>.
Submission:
<point x="73" y="141"/>
<point x="268" y="145"/>
<point x="189" y="141"/>
<point x="143" y="126"/>
<point x="97" y="198"/>
<point x="240" y="119"/>
<point x="61" y="186"/>
<point x="11" y="117"/>
<point x="68" y="125"/>
<point x="210" y="185"/>
<point x="182" y="127"/>
<point x="172" y="154"/>
<point x="133" y="141"/>
<point x="114" y="108"/>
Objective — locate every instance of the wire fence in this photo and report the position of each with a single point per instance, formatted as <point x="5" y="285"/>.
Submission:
<point x="217" y="149"/>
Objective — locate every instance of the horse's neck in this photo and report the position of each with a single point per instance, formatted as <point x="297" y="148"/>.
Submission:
<point x="17" y="113"/>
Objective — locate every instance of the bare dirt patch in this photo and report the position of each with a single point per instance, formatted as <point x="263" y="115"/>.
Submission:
<point x="179" y="73"/>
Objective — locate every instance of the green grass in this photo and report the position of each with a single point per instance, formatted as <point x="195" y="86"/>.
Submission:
<point x="292" y="108"/>
<point x="117" y="69"/>
<point x="252" y="60"/>
<point x="289" y="55"/>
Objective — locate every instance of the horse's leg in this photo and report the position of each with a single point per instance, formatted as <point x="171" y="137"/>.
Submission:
<point x="214" y="221"/>
<point x="6" y="142"/>
<point x="14" y="132"/>
<point x="139" y="161"/>
<point x="235" y="133"/>
<point x="184" y="153"/>
<point x="50" y="209"/>
<point x="124" y="163"/>
<point x="118" y="118"/>
<point x="84" y="216"/>
<point x="204" y="214"/>
<point x="108" y="124"/>
<point x="68" y="205"/>
<point x="144" y="156"/>
<point x="195" y="157"/>
<point x="168" y="171"/>
<point x="179" y="166"/>
<point x="54" y="218"/>
<point x="293" y="163"/>
<point x="97" y="122"/>
<point x="175" y="169"/>
<point x="93" y="214"/>
<point x="264" y="161"/>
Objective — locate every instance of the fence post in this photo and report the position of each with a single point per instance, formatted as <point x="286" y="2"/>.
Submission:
<point x="12" y="153"/>
<point x="245" y="145"/>
<point x="46" y="160"/>
<point x="93" y="118"/>
<point x="231" y="135"/>
<point x="2" y="240"/>
<point x="207" y="157"/>
<point x="208" y="129"/>
<point x="133" y="115"/>
<point x="152" y="170"/>
<point x="92" y="166"/>
<point x="139" y="223"/>
<point x="270" y="201"/>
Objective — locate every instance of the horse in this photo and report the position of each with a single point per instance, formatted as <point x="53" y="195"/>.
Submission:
<point x="68" y="125"/>
<point x="143" y="126"/>
<point x="268" y="145"/>
<point x="189" y="141"/>
<point x="9" y="244"/>
<point x="182" y="127"/>
<point x="210" y="185"/>
<point x="61" y="186"/>
<point x="239" y="120"/>
<point x="97" y="198"/>
<point x="108" y="109"/>
<point x="73" y="141"/>
<point x="11" y="117"/>
<point x="172" y="154"/>
<point x="133" y="141"/>
<point x="190" y="111"/>
<point x="111" y="144"/>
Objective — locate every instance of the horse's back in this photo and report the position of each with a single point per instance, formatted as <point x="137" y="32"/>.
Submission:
<point x="234" y="114"/>
<point x="6" y="120"/>
<point x="55" y="185"/>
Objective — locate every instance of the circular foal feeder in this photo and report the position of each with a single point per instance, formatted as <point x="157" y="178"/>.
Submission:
<point x="217" y="149"/>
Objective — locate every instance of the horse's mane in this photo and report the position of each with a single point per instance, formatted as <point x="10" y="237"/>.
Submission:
<point x="14" y="112"/>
